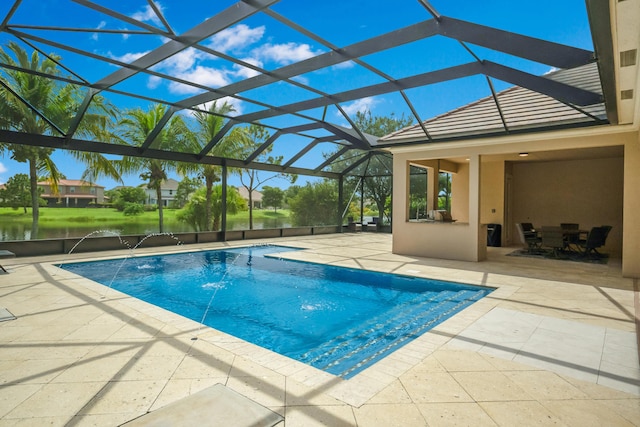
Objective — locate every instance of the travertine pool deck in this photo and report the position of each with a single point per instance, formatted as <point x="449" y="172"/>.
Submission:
<point x="554" y="344"/>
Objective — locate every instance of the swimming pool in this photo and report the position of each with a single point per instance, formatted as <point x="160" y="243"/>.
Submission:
<point x="337" y="319"/>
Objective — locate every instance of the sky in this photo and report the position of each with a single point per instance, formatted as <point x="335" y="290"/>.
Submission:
<point x="265" y="42"/>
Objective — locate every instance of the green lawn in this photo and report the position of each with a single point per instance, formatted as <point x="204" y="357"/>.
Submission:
<point x="65" y="216"/>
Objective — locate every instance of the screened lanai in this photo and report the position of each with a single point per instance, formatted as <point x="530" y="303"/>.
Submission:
<point x="301" y="71"/>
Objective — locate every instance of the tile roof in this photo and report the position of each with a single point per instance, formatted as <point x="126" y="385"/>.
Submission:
<point x="167" y="184"/>
<point x="521" y="109"/>
<point x="72" y="183"/>
<point x="244" y="193"/>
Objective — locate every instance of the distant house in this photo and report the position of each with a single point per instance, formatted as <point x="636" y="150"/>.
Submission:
<point x="72" y="193"/>
<point x="256" y="196"/>
<point x="168" y="188"/>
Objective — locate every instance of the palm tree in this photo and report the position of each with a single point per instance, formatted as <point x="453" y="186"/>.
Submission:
<point x="135" y="126"/>
<point x="34" y="104"/>
<point x="209" y="124"/>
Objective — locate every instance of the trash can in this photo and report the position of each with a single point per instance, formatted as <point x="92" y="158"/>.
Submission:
<point x="494" y="233"/>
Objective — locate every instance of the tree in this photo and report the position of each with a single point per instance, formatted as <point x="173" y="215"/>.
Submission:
<point x="186" y="187"/>
<point x="378" y="182"/>
<point x="290" y="193"/>
<point x="136" y="125"/>
<point x="272" y="197"/>
<point x="208" y="125"/>
<point x="125" y="196"/>
<point x="376" y="170"/>
<point x="16" y="193"/>
<point x="252" y="138"/>
<point x="314" y="204"/>
<point x="26" y="98"/>
<point x="194" y="211"/>
<point x="133" y="209"/>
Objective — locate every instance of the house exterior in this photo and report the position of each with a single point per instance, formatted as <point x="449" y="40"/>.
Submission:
<point x="72" y="193"/>
<point x="256" y="196"/>
<point x="168" y="189"/>
<point x="579" y="165"/>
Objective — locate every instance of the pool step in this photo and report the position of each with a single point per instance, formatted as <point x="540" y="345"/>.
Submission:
<point x="374" y="325"/>
<point x="387" y="336"/>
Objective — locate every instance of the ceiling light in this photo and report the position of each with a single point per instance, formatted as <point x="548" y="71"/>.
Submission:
<point x="523" y="154"/>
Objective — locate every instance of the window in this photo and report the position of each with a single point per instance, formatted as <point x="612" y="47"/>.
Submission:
<point x="429" y="194"/>
<point x="444" y="191"/>
<point x="417" y="192"/>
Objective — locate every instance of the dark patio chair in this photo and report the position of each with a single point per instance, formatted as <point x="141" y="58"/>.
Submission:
<point x="553" y="237"/>
<point x="595" y="239"/>
<point x="528" y="236"/>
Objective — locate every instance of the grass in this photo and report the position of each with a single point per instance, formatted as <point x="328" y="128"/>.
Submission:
<point x="64" y="216"/>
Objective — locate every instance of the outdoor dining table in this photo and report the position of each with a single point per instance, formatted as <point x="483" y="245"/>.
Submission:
<point x="573" y="237"/>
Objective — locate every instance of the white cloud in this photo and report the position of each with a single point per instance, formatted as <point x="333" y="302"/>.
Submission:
<point x="245" y="72"/>
<point x="127" y="58"/>
<point x="3" y="168"/>
<point x="148" y="14"/>
<point x="285" y="53"/>
<point x="344" y="65"/>
<point x="236" y="38"/>
<point x="202" y="75"/>
<point x="182" y="61"/>
<point x="153" y="82"/>
<point x="361" y="105"/>
<point x="190" y="65"/>
<point x="101" y="25"/>
<point x="301" y="79"/>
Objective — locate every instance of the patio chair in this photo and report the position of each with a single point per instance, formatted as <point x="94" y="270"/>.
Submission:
<point x="607" y="229"/>
<point x="553" y="237"/>
<point x="528" y="236"/>
<point x="595" y="239"/>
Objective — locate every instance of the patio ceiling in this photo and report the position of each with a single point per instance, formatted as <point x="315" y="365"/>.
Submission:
<point x="407" y="56"/>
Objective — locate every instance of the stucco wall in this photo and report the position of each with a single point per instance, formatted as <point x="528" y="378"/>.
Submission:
<point x="463" y="240"/>
<point x="631" y="238"/>
<point x="460" y="194"/>
<point x="492" y="193"/>
<point x="587" y="192"/>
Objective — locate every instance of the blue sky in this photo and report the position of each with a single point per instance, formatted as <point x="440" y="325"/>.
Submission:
<point x="267" y="43"/>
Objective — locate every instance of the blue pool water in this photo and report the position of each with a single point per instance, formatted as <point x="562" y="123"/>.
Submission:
<point x="337" y="319"/>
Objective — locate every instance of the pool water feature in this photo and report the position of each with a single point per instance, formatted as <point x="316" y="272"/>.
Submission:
<point x="337" y="319"/>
